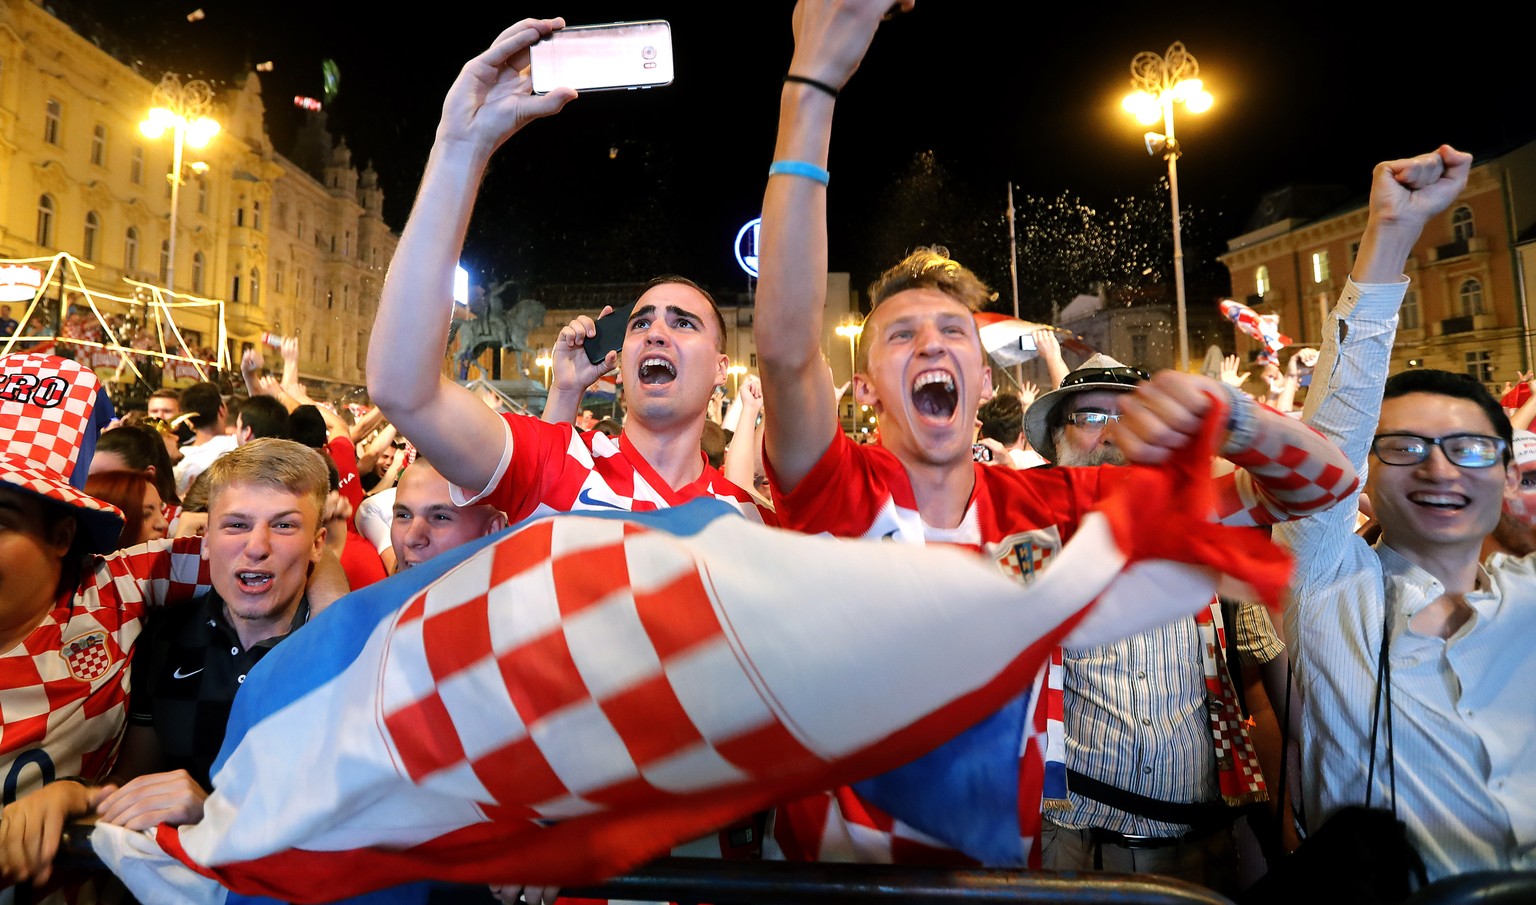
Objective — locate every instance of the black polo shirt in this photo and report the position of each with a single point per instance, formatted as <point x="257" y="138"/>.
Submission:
<point x="187" y="666"/>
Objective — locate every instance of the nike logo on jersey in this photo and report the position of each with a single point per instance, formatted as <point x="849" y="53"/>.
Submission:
<point x="586" y="498"/>
<point x="178" y="674"/>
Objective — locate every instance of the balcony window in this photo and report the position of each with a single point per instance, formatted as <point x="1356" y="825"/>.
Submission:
<point x="1469" y="297"/>
<point x="1261" y="280"/>
<point x="1319" y="266"/>
<point x="1462" y="227"/>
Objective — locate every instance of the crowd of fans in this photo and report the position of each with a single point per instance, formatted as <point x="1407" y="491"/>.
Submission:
<point x="180" y="543"/>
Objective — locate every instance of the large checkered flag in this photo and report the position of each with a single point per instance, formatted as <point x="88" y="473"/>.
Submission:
<point x="563" y="701"/>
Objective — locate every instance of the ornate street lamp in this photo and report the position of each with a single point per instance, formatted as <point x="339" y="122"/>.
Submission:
<point x="182" y="110"/>
<point x="1159" y="82"/>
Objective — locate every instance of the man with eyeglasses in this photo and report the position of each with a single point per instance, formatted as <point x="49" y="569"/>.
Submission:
<point x="921" y="368"/>
<point x="1147" y="696"/>
<point x="1436" y="449"/>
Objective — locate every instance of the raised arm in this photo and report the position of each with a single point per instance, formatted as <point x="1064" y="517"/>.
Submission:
<point x="1344" y="400"/>
<point x="491" y="99"/>
<point x="830" y="41"/>
<point x="1287" y="470"/>
<point x="572" y="372"/>
<point x="740" y="466"/>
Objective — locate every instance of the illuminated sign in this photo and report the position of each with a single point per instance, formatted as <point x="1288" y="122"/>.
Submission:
<point x="306" y="103"/>
<point x="746" y="246"/>
<point x="19" y="283"/>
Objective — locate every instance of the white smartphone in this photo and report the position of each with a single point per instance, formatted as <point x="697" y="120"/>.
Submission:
<point x="617" y="55"/>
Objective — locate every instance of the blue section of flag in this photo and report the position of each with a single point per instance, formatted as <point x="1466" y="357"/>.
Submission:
<point x="965" y="792"/>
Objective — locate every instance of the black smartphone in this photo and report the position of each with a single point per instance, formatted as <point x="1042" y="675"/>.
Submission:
<point x="610" y="334"/>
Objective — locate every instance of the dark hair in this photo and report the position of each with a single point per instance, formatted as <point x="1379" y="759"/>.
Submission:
<point x="1002" y="418"/>
<point x="1456" y="386"/>
<point x="264" y="416"/>
<point x="166" y="393"/>
<point x="609" y="426"/>
<point x="139" y="448"/>
<point x="125" y="490"/>
<point x="712" y="441"/>
<point x="714" y="309"/>
<point x="204" y="400"/>
<point x="307" y="426"/>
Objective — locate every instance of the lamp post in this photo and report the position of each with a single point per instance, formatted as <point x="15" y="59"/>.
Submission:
<point x="851" y="329"/>
<point x="182" y="110"/>
<point x="1159" y="82"/>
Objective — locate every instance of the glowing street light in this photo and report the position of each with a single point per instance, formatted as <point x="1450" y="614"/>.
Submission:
<point x="1159" y="82"/>
<point x="544" y="361"/>
<point x="182" y="110"/>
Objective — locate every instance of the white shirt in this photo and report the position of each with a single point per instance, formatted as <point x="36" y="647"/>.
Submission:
<point x="374" y="518"/>
<point x="196" y="459"/>
<point x="1464" y="737"/>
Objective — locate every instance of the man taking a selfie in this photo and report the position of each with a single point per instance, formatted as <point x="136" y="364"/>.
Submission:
<point x="672" y="351"/>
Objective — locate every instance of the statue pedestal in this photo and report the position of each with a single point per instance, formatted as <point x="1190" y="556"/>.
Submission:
<point x="520" y="395"/>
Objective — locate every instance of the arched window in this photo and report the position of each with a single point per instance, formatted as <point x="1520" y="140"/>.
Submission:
<point x="92" y="231"/>
<point x="197" y="272"/>
<point x="256" y="215"/>
<point x="1261" y="280"/>
<point x="131" y="249"/>
<point x="45" y="209"/>
<point x="1470" y="295"/>
<point x="99" y="145"/>
<point x="136" y="165"/>
<point x="1462" y="227"/>
<point x="255" y="286"/>
<point x="52" y="116"/>
<point x="234" y="288"/>
<point x="165" y="261"/>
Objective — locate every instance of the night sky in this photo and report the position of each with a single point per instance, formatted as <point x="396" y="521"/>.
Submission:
<point x="998" y="90"/>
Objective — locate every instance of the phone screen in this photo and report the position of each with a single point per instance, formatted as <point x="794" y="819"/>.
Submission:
<point x="604" y="57"/>
<point x="610" y="334"/>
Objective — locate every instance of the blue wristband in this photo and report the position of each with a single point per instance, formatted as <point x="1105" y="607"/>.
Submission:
<point x="799" y="168"/>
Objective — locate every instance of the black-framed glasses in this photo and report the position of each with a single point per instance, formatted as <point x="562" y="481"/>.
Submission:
<point x="1091" y="420"/>
<point x="1121" y="375"/>
<point x="1464" y="450"/>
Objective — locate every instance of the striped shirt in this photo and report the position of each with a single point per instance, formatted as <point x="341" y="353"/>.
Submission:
<point x="1136" y="718"/>
<point x="1463" y="738"/>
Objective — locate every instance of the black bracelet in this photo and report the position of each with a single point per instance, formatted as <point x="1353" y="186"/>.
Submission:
<point x="819" y="86"/>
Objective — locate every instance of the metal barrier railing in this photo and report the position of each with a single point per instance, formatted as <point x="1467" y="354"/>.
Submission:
<point x="780" y="883"/>
<point x="688" y="880"/>
<point x="1481" y="887"/>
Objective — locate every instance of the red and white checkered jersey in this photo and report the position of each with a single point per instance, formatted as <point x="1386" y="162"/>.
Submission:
<point x="1019" y="519"/>
<point x="548" y="468"/>
<point x="64" y="688"/>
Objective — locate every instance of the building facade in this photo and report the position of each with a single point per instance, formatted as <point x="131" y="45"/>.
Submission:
<point x="1466" y="308"/>
<point x="78" y="176"/>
